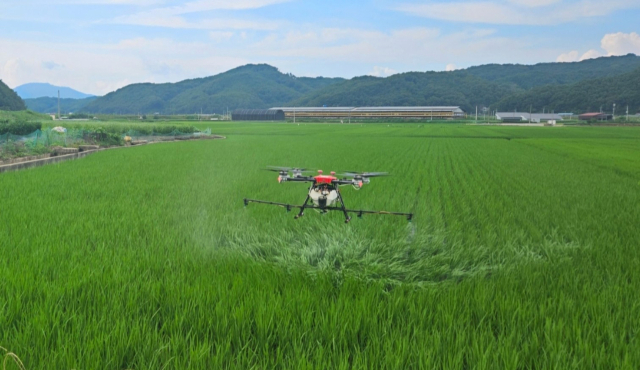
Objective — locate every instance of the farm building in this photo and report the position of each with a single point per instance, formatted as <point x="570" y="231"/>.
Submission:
<point x="373" y="112"/>
<point x="257" y="115"/>
<point x="527" y="117"/>
<point x="595" y="116"/>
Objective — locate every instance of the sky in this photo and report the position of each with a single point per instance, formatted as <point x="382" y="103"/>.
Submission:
<point x="98" y="46"/>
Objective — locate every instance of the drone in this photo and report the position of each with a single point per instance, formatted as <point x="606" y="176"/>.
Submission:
<point x="324" y="192"/>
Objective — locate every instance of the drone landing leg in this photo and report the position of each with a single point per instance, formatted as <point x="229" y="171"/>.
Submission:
<point x="344" y="209"/>
<point x="302" y="208"/>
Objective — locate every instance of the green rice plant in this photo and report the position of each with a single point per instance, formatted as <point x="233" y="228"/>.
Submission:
<point x="522" y="253"/>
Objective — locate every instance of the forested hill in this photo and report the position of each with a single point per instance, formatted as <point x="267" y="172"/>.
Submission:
<point x="50" y="105"/>
<point x="530" y="76"/>
<point x="250" y="86"/>
<point x="9" y="100"/>
<point x="483" y="85"/>
<point x="581" y="97"/>
<point x="410" y="89"/>
<point x="263" y="86"/>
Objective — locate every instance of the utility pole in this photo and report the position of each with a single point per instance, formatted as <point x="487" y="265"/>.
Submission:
<point x="614" y="111"/>
<point x="58" y="104"/>
<point x="476" y="114"/>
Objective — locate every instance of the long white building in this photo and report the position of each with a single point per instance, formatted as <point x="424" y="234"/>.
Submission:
<point x="372" y="112"/>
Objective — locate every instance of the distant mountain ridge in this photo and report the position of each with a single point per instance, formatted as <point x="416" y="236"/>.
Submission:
<point x="585" y="96"/>
<point x="41" y="90"/>
<point x="263" y="86"/>
<point x="50" y="105"/>
<point x="9" y="100"/>
<point x="252" y="85"/>
<point x="475" y="86"/>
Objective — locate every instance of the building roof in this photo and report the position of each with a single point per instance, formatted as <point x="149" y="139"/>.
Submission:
<point x="372" y="109"/>
<point x="525" y="116"/>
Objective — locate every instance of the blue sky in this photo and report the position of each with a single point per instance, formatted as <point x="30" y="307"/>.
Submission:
<point x="97" y="46"/>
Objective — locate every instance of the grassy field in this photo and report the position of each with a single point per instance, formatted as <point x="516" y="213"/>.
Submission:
<point x="523" y="252"/>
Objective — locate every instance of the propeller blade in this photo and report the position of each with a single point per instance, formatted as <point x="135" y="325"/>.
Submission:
<point x="278" y="168"/>
<point x="364" y="174"/>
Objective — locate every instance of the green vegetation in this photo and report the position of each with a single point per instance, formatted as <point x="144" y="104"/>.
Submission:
<point x="523" y="252"/>
<point x="19" y="127"/>
<point x="263" y="86"/>
<point x="50" y="105"/>
<point x="9" y="100"/>
<point x="23" y="116"/>
<point x="530" y="76"/>
<point x="585" y="96"/>
<point x="256" y="86"/>
<point x="410" y="89"/>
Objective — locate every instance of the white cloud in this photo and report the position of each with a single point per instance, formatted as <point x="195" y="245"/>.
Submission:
<point x="517" y="12"/>
<point x="450" y="67"/>
<point x="534" y="3"/>
<point x="571" y="56"/>
<point x="100" y="69"/>
<point x="345" y="51"/>
<point x="613" y="44"/>
<point x="148" y="19"/>
<point x="591" y="54"/>
<point x="621" y="43"/>
<point x="382" y="71"/>
<point x="174" y="16"/>
<point x="220" y="36"/>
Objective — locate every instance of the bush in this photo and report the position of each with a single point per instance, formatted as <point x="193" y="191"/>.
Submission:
<point x="19" y="127"/>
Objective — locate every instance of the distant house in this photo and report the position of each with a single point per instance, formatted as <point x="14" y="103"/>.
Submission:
<point x="597" y="116"/>
<point x="523" y="117"/>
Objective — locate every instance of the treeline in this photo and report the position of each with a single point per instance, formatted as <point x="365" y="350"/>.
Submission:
<point x="50" y="105"/>
<point x="411" y="89"/>
<point x="255" y="86"/>
<point x="9" y="100"/>
<point x="581" y="97"/>
<point x="577" y="87"/>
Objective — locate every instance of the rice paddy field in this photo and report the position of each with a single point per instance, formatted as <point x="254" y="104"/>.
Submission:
<point x="523" y="252"/>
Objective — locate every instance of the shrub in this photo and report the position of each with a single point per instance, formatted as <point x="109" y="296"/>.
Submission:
<point x="19" y="127"/>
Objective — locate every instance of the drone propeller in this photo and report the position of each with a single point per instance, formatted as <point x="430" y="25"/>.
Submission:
<point x="356" y="174"/>
<point x="284" y="171"/>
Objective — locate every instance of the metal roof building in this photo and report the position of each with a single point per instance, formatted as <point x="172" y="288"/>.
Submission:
<point x="526" y="117"/>
<point x="257" y="115"/>
<point x="372" y="112"/>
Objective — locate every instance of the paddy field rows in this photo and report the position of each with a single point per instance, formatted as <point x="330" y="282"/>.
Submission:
<point x="523" y="252"/>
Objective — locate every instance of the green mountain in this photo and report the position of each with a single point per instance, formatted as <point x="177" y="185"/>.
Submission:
<point x="250" y="86"/>
<point x="50" y="105"/>
<point x="410" y="89"/>
<point x="9" y="100"/>
<point x="581" y="97"/>
<point x="482" y="86"/>
<point x="263" y="86"/>
<point x="530" y="76"/>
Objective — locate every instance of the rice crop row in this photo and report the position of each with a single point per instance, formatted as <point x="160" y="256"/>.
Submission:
<point x="523" y="253"/>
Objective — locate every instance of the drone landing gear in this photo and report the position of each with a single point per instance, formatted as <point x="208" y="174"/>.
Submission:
<point x="302" y="208"/>
<point x="344" y="209"/>
<point x="323" y="210"/>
